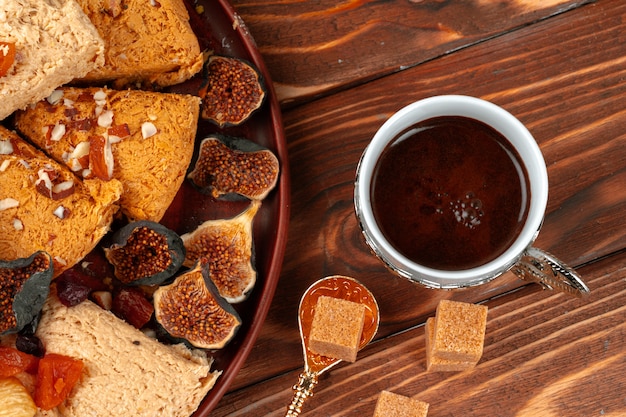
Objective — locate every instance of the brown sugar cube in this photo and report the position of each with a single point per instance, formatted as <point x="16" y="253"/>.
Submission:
<point x="434" y="364"/>
<point x="396" y="405"/>
<point x="336" y="328"/>
<point x="459" y="331"/>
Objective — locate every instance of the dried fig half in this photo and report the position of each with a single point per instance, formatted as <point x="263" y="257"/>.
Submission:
<point x="229" y="165"/>
<point x="228" y="247"/>
<point x="232" y="90"/>
<point x="145" y="253"/>
<point x="191" y="309"/>
<point x="24" y="287"/>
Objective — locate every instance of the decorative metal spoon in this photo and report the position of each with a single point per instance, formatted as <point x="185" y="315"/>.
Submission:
<point x="334" y="286"/>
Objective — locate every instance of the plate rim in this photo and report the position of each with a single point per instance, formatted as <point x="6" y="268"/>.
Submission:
<point x="271" y="278"/>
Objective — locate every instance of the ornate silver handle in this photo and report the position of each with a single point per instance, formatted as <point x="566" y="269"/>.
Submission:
<point x="302" y="390"/>
<point x="539" y="266"/>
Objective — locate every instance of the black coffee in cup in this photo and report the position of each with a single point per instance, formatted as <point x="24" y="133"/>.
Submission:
<point x="450" y="193"/>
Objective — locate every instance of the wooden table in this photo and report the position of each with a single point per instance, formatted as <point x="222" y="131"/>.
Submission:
<point x="340" y="69"/>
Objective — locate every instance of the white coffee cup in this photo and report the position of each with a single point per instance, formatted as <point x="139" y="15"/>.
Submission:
<point x="520" y="257"/>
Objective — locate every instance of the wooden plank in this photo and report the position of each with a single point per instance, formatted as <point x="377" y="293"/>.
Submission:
<point x="568" y="90"/>
<point x="545" y="354"/>
<point x="313" y="49"/>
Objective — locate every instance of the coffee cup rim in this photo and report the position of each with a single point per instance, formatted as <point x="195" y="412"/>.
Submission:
<point x="452" y="105"/>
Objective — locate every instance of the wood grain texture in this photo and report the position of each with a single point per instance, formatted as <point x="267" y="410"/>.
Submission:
<point x="316" y="48"/>
<point x="546" y="354"/>
<point x="563" y="77"/>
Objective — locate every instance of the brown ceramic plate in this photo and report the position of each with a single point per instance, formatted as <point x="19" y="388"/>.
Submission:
<point x="221" y="30"/>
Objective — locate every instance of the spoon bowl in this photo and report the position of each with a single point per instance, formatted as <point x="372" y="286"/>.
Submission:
<point x="337" y="286"/>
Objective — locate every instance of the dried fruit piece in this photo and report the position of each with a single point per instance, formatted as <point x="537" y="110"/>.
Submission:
<point x="87" y="274"/>
<point x="191" y="309"/>
<point x="145" y="253"/>
<point x="56" y="376"/>
<point x="74" y="286"/>
<point x="233" y="90"/>
<point x="70" y="292"/>
<point x="228" y="165"/>
<point x="12" y="362"/>
<point x="131" y="305"/>
<point x="30" y="344"/>
<point x="15" y="399"/>
<point x="100" y="157"/>
<point x="119" y="131"/>
<point x="7" y="57"/>
<point x="24" y="286"/>
<point x="228" y="247"/>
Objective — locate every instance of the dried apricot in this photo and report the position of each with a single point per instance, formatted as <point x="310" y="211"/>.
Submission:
<point x="7" y="57"/>
<point x="12" y="362"/>
<point x="56" y="376"/>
